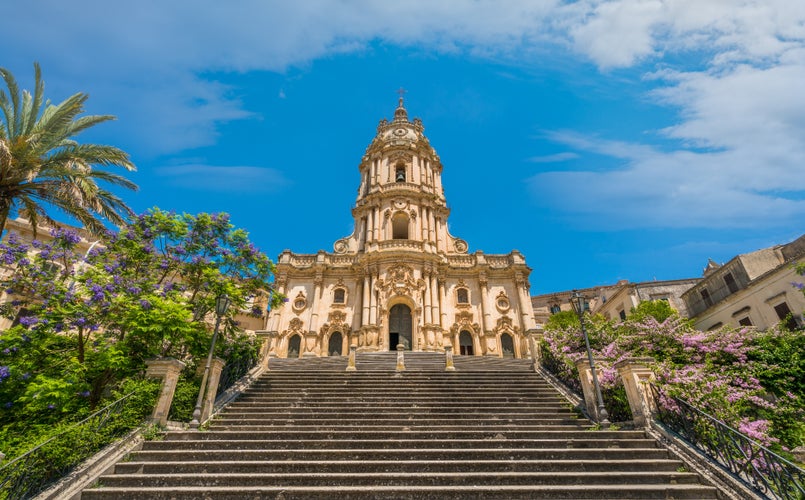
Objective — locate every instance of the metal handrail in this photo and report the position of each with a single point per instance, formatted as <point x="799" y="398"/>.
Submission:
<point x="762" y="470"/>
<point x="20" y="479"/>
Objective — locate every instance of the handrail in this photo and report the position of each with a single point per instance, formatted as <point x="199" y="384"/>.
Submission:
<point x="18" y="481"/>
<point x="762" y="470"/>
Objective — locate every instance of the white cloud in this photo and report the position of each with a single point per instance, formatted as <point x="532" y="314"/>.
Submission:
<point x="236" y="179"/>
<point x="554" y="158"/>
<point x="732" y="69"/>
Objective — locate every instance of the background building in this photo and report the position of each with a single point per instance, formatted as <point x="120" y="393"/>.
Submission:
<point x="752" y="289"/>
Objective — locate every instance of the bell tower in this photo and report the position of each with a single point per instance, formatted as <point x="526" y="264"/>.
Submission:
<point x="400" y="203"/>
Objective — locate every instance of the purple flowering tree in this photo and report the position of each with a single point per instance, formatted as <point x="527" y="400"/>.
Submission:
<point x="754" y="381"/>
<point x="86" y="320"/>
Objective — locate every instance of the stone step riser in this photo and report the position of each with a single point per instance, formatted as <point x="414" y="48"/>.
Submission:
<point x="409" y="467"/>
<point x="679" y="492"/>
<point x="397" y="444"/>
<point x="401" y="454"/>
<point x="407" y="427"/>
<point x="396" y="479"/>
<point x="455" y="435"/>
<point x="401" y="422"/>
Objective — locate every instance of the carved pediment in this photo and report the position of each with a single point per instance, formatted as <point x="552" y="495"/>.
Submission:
<point x="399" y="280"/>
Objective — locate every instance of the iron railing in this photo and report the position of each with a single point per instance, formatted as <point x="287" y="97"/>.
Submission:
<point x="30" y="473"/>
<point x="764" y="471"/>
<point x="561" y="371"/>
<point x="234" y="371"/>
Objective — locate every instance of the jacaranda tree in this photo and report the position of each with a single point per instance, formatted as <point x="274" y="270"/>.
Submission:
<point x="86" y="321"/>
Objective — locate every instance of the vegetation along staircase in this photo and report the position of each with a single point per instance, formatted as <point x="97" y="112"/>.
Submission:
<point x="491" y="429"/>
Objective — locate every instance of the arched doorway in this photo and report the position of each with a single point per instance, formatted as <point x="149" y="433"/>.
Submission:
<point x="400" y="327"/>
<point x="507" y="345"/>
<point x="335" y="345"/>
<point x="465" y="343"/>
<point x="294" y="346"/>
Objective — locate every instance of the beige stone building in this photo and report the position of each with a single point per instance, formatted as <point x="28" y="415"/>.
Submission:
<point x="401" y="277"/>
<point x="752" y="289"/>
<point x="616" y="301"/>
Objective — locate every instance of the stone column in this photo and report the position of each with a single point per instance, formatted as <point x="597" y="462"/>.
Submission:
<point x="366" y="299"/>
<point x="168" y="369"/>
<point x="351" y="360"/>
<point x="448" y="359"/>
<point x="442" y="305"/>
<point x="400" y="358"/>
<point x="635" y="374"/>
<point x="314" y="302"/>
<point x="485" y="315"/>
<point x="268" y="349"/>
<point x="524" y="299"/>
<point x="213" y="379"/>
<point x="535" y="338"/>
<point x="373" y="300"/>
<point x="587" y="387"/>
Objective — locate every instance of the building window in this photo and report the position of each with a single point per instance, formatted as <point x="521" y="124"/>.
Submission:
<point x="399" y="226"/>
<point x="730" y="282"/>
<point x="785" y="315"/>
<point x="462" y="296"/>
<point x="706" y="297"/>
<point x="622" y="314"/>
<point x="745" y="321"/>
<point x="716" y="326"/>
<point x="399" y="173"/>
<point x="339" y="296"/>
<point x="555" y="309"/>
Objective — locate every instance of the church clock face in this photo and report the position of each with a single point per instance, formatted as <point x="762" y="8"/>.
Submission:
<point x="399" y="132"/>
<point x="399" y="204"/>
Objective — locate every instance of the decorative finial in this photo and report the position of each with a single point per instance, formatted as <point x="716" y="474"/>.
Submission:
<point x="401" y="91"/>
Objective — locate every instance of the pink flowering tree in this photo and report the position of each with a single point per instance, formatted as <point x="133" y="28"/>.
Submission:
<point x="753" y="381"/>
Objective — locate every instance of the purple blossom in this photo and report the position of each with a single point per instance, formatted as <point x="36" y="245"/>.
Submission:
<point x="145" y="304"/>
<point x="29" y="321"/>
<point x="4" y="373"/>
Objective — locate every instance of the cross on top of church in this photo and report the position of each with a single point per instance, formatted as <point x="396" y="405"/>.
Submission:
<point x="401" y="92"/>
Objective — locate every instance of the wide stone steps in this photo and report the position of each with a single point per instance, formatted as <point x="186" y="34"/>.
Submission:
<point x="398" y="466"/>
<point x="398" y="479"/>
<point x="309" y="430"/>
<point x="464" y="492"/>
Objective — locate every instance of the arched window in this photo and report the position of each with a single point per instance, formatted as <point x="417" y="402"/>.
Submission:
<point x="339" y="296"/>
<point x="399" y="226"/>
<point x="555" y="308"/>
<point x="399" y="173"/>
<point x="462" y="296"/>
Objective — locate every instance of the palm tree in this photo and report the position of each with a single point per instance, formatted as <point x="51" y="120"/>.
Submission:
<point x="42" y="166"/>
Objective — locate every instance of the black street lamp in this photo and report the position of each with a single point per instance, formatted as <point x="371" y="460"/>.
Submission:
<point x="222" y="303"/>
<point x="577" y="300"/>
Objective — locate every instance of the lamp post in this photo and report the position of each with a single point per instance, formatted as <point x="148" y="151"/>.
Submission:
<point x="577" y="300"/>
<point x="222" y="303"/>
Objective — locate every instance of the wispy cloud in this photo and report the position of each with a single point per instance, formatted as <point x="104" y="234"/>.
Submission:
<point x="554" y="158"/>
<point x="223" y="178"/>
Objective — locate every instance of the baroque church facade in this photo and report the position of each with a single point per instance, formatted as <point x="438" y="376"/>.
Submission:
<point x="401" y="278"/>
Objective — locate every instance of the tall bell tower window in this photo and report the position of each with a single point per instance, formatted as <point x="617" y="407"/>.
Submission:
<point x="399" y="173"/>
<point x="399" y="227"/>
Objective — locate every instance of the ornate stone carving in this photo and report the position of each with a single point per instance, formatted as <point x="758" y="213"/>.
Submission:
<point x="336" y="321"/>
<point x="341" y="246"/>
<point x="399" y="281"/>
<point x="459" y="245"/>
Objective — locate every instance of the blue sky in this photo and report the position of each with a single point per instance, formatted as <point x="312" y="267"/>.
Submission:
<point x="606" y="140"/>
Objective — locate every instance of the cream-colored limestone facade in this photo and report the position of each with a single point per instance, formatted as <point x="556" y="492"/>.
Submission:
<point x="401" y="278"/>
<point x="752" y="289"/>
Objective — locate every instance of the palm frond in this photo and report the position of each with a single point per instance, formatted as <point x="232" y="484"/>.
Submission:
<point x="12" y="118"/>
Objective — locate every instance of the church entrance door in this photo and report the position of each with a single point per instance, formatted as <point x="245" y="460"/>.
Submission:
<point x="400" y="327"/>
<point x="294" y="345"/>
<point x="465" y="343"/>
<point x="507" y="345"/>
<point x="335" y="344"/>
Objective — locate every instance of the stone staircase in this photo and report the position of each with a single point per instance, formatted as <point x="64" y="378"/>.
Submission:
<point x="491" y="429"/>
